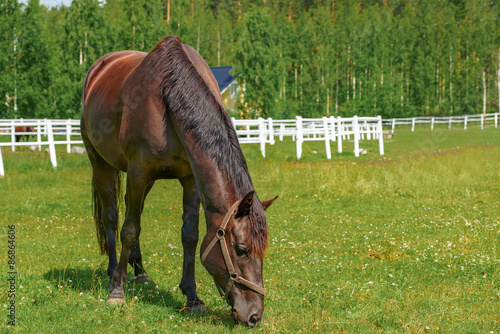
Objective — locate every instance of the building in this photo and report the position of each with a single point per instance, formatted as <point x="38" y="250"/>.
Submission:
<point x="228" y="86"/>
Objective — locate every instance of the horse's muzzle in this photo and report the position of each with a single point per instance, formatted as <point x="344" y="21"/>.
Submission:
<point x="253" y="319"/>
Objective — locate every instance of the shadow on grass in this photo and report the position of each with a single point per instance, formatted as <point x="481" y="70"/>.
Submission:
<point x="95" y="281"/>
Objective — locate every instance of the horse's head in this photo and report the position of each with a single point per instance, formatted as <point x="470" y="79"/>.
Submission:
<point x="233" y="252"/>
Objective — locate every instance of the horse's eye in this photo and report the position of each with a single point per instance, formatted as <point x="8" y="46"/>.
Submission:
<point x="241" y="251"/>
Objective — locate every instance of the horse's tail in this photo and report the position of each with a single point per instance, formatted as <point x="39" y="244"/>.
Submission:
<point x="102" y="235"/>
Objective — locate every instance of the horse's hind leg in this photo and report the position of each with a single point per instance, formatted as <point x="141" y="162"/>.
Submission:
<point x="137" y="183"/>
<point x="105" y="178"/>
<point x="190" y="218"/>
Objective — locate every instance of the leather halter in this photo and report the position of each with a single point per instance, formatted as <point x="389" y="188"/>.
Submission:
<point x="233" y="275"/>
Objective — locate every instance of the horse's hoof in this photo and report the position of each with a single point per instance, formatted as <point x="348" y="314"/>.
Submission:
<point x="115" y="301"/>
<point x="195" y="307"/>
<point x="141" y="278"/>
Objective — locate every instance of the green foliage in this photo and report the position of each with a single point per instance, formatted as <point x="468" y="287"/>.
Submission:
<point x="9" y="20"/>
<point x="310" y="58"/>
<point x="35" y="66"/>
<point x="258" y="71"/>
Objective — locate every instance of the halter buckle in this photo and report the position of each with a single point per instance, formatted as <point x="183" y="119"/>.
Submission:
<point x="220" y="234"/>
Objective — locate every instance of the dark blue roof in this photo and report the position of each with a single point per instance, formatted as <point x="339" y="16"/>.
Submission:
<point x="223" y="76"/>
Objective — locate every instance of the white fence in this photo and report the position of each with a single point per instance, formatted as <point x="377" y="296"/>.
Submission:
<point x="260" y="131"/>
<point x="463" y="121"/>
<point x="326" y="129"/>
<point x="44" y="131"/>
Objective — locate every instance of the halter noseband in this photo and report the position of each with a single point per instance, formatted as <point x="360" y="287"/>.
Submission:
<point x="233" y="275"/>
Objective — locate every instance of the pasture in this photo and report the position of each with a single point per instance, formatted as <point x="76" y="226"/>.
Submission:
<point x="408" y="242"/>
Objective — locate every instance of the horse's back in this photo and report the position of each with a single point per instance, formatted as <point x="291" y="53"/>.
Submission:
<point x="103" y="103"/>
<point x="110" y="71"/>
<point x="123" y="117"/>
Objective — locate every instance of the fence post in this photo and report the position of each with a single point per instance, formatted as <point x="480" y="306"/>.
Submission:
<point x="333" y="135"/>
<point x="413" y="124"/>
<point x="368" y="132"/>
<point x="482" y="121"/>
<point x="262" y="136"/>
<point x="327" y="138"/>
<point x="271" y="130"/>
<point x="355" y="126"/>
<point x="298" y="125"/>
<point x="13" y="135"/>
<point x="432" y="123"/>
<point x="496" y="120"/>
<point x="2" y="171"/>
<point x="449" y="123"/>
<point x="380" y="133"/>
<point x="393" y="125"/>
<point x="68" y="135"/>
<point x="465" y="123"/>
<point x="282" y="130"/>
<point x="39" y="134"/>
<point x="339" y="134"/>
<point x="52" y="147"/>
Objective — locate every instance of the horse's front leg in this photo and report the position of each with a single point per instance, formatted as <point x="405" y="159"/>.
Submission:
<point x="190" y="218"/>
<point x="136" y="189"/>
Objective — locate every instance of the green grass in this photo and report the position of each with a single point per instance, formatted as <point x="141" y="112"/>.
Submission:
<point x="404" y="243"/>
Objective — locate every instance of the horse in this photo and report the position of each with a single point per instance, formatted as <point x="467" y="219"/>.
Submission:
<point x="24" y="129"/>
<point x="160" y="115"/>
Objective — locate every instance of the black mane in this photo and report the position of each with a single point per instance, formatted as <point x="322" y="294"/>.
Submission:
<point x="194" y="109"/>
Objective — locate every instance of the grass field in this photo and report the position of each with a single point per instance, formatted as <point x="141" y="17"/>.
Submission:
<point x="404" y="243"/>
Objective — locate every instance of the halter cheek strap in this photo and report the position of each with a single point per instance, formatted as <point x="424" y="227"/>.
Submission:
<point x="233" y="275"/>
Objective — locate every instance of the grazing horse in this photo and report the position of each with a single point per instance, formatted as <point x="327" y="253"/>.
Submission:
<point x="24" y="129"/>
<point x="160" y="116"/>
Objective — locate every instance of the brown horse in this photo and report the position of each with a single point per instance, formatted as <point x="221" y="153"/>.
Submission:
<point x="24" y="129"/>
<point x="160" y="116"/>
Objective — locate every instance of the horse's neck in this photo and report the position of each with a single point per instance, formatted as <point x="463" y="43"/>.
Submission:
<point x="217" y="193"/>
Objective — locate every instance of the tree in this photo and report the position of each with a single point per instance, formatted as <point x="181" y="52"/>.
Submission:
<point x="295" y="57"/>
<point x="257" y="58"/>
<point x="143" y="26"/>
<point x="35" y="64"/>
<point x="9" y="21"/>
<point x="83" y="45"/>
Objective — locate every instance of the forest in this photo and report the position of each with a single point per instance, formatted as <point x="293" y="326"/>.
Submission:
<point x="394" y="58"/>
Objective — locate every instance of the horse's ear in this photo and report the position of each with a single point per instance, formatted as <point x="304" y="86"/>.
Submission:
<point x="268" y="203"/>
<point x="245" y="205"/>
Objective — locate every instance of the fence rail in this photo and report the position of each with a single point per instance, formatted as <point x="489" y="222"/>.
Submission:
<point x="44" y="132"/>
<point x="327" y="129"/>
<point x="463" y="120"/>
<point x="259" y="131"/>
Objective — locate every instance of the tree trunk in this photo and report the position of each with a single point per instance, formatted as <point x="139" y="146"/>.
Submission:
<point x="333" y="10"/>
<point x="498" y="80"/>
<point x="218" y="47"/>
<point x="198" y="39"/>
<point x="168" y="11"/>
<point x="451" y="81"/>
<point x="337" y="88"/>
<point x="484" y="92"/>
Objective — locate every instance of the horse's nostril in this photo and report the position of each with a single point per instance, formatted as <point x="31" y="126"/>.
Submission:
<point x="254" y="320"/>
